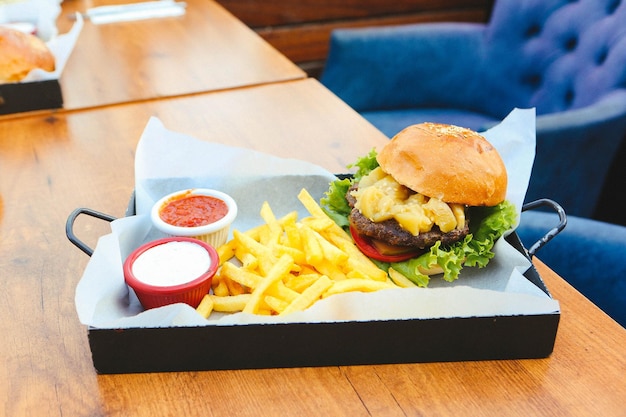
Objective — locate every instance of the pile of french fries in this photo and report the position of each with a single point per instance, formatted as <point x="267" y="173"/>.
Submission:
<point x="287" y="264"/>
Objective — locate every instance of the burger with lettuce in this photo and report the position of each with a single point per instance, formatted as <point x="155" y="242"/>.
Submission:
<point x="430" y="202"/>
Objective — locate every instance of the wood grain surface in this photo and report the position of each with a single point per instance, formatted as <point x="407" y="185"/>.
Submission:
<point x="145" y="59"/>
<point x="52" y="163"/>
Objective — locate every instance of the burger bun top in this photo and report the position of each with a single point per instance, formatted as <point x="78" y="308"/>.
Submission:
<point x="454" y="164"/>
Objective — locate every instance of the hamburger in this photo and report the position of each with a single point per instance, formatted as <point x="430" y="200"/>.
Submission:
<point x="20" y="53"/>
<point x="432" y="201"/>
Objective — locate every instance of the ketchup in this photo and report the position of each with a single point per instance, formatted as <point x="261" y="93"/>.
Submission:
<point x="193" y="211"/>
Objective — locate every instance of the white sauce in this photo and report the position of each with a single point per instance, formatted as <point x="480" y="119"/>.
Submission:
<point x="171" y="263"/>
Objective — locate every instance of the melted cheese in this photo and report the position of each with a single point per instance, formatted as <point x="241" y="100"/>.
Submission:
<point x="380" y="197"/>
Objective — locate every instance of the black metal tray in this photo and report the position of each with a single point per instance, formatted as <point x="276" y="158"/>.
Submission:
<point x="327" y="344"/>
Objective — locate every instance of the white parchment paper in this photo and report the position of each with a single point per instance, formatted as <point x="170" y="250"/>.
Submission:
<point x="167" y="161"/>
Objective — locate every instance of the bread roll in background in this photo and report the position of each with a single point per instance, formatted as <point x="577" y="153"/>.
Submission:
<point x="20" y="53"/>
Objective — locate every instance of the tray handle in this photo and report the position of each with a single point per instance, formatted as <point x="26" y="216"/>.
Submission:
<point x="69" y="227"/>
<point x="534" y="248"/>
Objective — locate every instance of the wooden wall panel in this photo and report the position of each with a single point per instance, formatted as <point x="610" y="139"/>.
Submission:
<point x="310" y="42"/>
<point x="259" y="13"/>
<point x="300" y="29"/>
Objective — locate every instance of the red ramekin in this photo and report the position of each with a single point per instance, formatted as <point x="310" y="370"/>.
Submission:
<point x="192" y="292"/>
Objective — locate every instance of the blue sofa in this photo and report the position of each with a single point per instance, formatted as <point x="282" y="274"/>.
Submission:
<point x="589" y="254"/>
<point x="567" y="59"/>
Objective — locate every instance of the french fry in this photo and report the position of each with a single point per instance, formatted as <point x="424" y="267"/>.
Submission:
<point x="289" y="218"/>
<point x="205" y="307"/>
<point x="230" y="303"/>
<point x="400" y="280"/>
<point x="276" y="304"/>
<point x="226" y="251"/>
<point x="251" y="280"/>
<point x="220" y="288"/>
<point x="367" y="267"/>
<point x="280" y="290"/>
<point x="276" y="273"/>
<point x="318" y="224"/>
<point x="316" y="211"/>
<point x="355" y="284"/>
<point x="251" y="245"/>
<point x="292" y="236"/>
<point x="274" y="229"/>
<point x="337" y="234"/>
<point x="287" y="264"/>
<point x="242" y="276"/>
<point x="309" y="296"/>
<point x="248" y="260"/>
<point x="255" y="232"/>
<point x="311" y="246"/>
<point x="331" y="270"/>
<point x="310" y="204"/>
<point x="298" y="255"/>
<point x="356" y="273"/>
<point x="330" y="252"/>
<point x="262" y="253"/>
<point x="301" y="282"/>
<point x="357" y="260"/>
<point x="234" y="288"/>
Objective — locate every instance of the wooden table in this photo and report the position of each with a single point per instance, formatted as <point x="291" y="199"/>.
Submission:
<point x="53" y="163"/>
<point x="139" y="60"/>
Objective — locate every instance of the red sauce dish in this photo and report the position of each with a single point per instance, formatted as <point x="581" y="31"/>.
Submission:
<point x="171" y="270"/>
<point x="201" y="213"/>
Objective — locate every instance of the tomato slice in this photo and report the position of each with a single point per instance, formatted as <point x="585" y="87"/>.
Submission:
<point x="365" y="245"/>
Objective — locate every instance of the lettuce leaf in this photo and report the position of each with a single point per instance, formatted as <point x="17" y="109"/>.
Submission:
<point x="334" y="203"/>
<point x="487" y="225"/>
<point x="365" y="165"/>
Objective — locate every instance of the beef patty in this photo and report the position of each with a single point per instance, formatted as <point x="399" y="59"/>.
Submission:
<point x="390" y="231"/>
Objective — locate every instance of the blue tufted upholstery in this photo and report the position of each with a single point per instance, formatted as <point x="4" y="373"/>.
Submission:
<point x="588" y="254"/>
<point x="565" y="58"/>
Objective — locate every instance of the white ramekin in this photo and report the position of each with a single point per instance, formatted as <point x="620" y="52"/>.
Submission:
<point x="214" y="234"/>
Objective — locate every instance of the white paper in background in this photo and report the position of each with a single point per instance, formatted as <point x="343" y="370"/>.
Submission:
<point x="44" y="13"/>
<point x="135" y="11"/>
<point x="41" y="13"/>
<point x="61" y="47"/>
<point x="167" y="161"/>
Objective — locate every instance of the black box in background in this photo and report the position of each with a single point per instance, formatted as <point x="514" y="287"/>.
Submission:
<point x="30" y="96"/>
